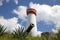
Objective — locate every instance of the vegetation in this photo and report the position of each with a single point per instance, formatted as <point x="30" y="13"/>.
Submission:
<point x="29" y="37"/>
<point x="2" y="30"/>
<point x="58" y="35"/>
<point x="19" y="34"/>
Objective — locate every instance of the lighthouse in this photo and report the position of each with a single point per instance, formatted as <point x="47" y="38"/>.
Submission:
<point x="31" y="13"/>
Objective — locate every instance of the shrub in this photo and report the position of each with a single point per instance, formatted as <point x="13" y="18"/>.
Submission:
<point x="19" y="33"/>
<point x="2" y="30"/>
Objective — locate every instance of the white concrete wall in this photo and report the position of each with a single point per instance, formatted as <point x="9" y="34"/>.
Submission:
<point x="32" y="19"/>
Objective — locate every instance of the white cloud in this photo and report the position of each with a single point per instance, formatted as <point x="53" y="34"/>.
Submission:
<point x="44" y="13"/>
<point x="54" y="30"/>
<point x="21" y="12"/>
<point x="11" y="23"/>
<point x="7" y="1"/>
<point x="16" y="2"/>
<point x="47" y="13"/>
<point x="1" y="2"/>
<point x="39" y="33"/>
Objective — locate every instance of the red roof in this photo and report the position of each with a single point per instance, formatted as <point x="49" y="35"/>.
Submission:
<point x="29" y="11"/>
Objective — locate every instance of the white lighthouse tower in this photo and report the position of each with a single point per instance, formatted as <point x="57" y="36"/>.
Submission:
<point x="31" y="13"/>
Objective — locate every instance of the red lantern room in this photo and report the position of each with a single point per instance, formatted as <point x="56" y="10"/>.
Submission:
<point x="31" y="11"/>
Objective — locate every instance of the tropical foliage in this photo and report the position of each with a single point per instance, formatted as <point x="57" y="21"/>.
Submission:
<point x="19" y="34"/>
<point x="2" y="30"/>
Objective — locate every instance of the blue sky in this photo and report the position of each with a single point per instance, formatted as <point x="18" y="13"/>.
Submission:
<point x="6" y="10"/>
